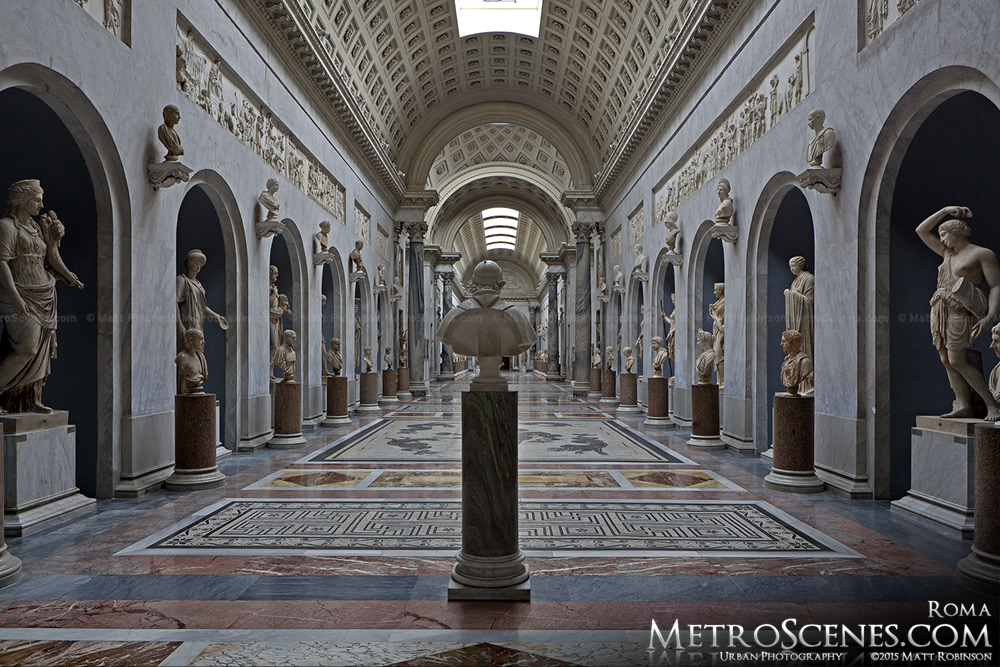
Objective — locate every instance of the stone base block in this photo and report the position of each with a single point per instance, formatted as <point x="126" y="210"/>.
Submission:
<point x="195" y="434"/>
<point x="595" y="383"/>
<point x="134" y="487"/>
<point x="793" y="469"/>
<point x="403" y="383"/>
<point x="369" y="393"/>
<point x="941" y="474"/>
<point x="657" y="400"/>
<point x="287" y="416"/>
<point x="706" y="443"/>
<point x="389" y="386"/>
<point x="39" y="472"/>
<point x="336" y="401"/>
<point x="609" y="386"/>
<point x="705" y="411"/>
<point x="519" y="593"/>
<point x="10" y="568"/>
<point x="628" y="388"/>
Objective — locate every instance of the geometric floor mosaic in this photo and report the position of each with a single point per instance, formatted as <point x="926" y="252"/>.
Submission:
<point x="539" y="441"/>
<point x="433" y="527"/>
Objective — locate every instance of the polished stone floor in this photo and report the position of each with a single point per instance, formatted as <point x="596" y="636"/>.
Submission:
<point x="339" y="553"/>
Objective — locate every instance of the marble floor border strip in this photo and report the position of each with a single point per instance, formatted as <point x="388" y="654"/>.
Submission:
<point x="365" y="430"/>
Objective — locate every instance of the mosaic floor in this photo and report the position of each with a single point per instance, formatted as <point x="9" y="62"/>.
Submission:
<point x="340" y="553"/>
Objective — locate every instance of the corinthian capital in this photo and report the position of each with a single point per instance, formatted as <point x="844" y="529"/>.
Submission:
<point x="583" y="231"/>
<point x="416" y="231"/>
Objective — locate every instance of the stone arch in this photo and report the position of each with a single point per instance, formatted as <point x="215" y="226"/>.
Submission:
<point x="696" y="300"/>
<point x="905" y="119"/>
<point x="663" y="281"/>
<point x="114" y="268"/>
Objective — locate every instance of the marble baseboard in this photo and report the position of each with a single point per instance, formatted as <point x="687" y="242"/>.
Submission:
<point x="841" y="449"/>
<point x="256" y="426"/>
<point x="147" y="447"/>
<point x="21" y="523"/>
<point x="737" y="443"/>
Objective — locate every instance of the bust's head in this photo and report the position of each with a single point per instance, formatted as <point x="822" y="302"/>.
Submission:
<point x="335" y="344"/>
<point x="723" y="189"/>
<point x="289" y="337"/>
<point x="194" y="340"/>
<point x="487" y="277"/>
<point x="358" y="245"/>
<point x="656" y="343"/>
<point x="791" y="342"/>
<point x="171" y="115"/>
<point x="816" y="119"/>
<point x="273" y="273"/>
<point x="705" y="340"/>
<point x="719" y="289"/>
<point x="627" y="351"/>
<point x="325" y="226"/>
<point x="272" y="185"/>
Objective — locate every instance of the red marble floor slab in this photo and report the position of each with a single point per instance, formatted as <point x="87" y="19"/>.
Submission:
<point x="79" y="653"/>
<point x="483" y="655"/>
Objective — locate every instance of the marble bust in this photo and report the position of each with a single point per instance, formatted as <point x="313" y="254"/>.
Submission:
<point x="609" y="353"/>
<point x="641" y="268"/>
<point x="487" y="327"/>
<point x="797" y="368"/>
<point x="823" y="141"/>
<point x="270" y="225"/>
<point x="619" y="284"/>
<point x="629" y="359"/>
<point x="357" y="262"/>
<point x="321" y="245"/>
<point x="168" y="135"/>
<point x="659" y="356"/>
<point x="380" y="278"/>
<point x="367" y="360"/>
<point x="388" y="358"/>
<point x="960" y="311"/>
<point x="673" y="240"/>
<point x="402" y="349"/>
<point x="333" y="357"/>
<point x="724" y="214"/>
<point x="597" y="357"/>
<point x="284" y="356"/>
<point x="171" y="171"/>
<point x="706" y="360"/>
<point x="397" y="287"/>
<point x="192" y="368"/>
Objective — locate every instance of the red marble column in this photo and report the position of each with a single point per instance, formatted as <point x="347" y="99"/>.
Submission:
<point x="336" y="401"/>
<point x="793" y="468"/>
<point x="705" y="417"/>
<point x="628" y="393"/>
<point x="595" y="382"/>
<point x="981" y="568"/>
<point x="10" y="565"/>
<point x="389" y="385"/>
<point x="657" y="402"/>
<point x="369" y="393"/>
<point x="195" y="435"/>
<point x="403" y="381"/>
<point x="287" y="416"/>
<point x="608" y="387"/>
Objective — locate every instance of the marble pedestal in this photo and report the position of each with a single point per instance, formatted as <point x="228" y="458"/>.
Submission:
<point x="369" y="393"/>
<point x="403" y="383"/>
<point x="608" y="387"/>
<point x="39" y="486"/>
<point x="542" y="367"/>
<point x="10" y="565"/>
<point x="628" y="390"/>
<point x="705" y="417"/>
<point x="981" y="568"/>
<point x="287" y="416"/>
<point x="595" y="383"/>
<point x="793" y="468"/>
<point x="491" y="564"/>
<point x="336" y="401"/>
<point x="389" y="386"/>
<point x="195" y="432"/>
<point x="658" y="402"/>
<point x="941" y="473"/>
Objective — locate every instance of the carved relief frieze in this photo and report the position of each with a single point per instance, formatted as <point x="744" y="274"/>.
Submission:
<point x="615" y="245"/>
<point x="771" y="95"/>
<point x="877" y="15"/>
<point x="362" y="224"/>
<point x="115" y="15"/>
<point x="635" y="225"/>
<point x="382" y="243"/>
<point x="204" y="79"/>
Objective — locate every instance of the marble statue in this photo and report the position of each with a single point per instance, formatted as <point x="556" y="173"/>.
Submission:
<point x="629" y="359"/>
<point x="168" y="135"/>
<point x="659" y="356"/>
<point x="278" y="308"/>
<point x="823" y="148"/>
<point x="670" y="322"/>
<point x="403" y="351"/>
<point x="619" y="284"/>
<point x="366" y="358"/>
<point x="28" y="296"/>
<point x="610" y="357"/>
<point x="960" y="312"/>
<point x="673" y="240"/>
<point x="321" y="245"/>
<point x="602" y="288"/>
<point x="333" y="357"/>
<point x="724" y="214"/>
<point x="270" y="225"/>
<point x="484" y="326"/>
<point x="397" y="287"/>
<point x="284" y="357"/>
<point x="797" y="368"/>
<point x="706" y="360"/>
<point x="191" y="305"/>
<point x="642" y="332"/>
<point x="994" y="383"/>
<point x="641" y="269"/>
<point x="325" y="372"/>
<point x="380" y="278"/>
<point x="799" y="303"/>
<point x="597" y="357"/>
<point x="357" y="262"/>
<point x="192" y="368"/>
<point x="357" y="336"/>
<point x="718" y="313"/>
<point x="388" y="358"/>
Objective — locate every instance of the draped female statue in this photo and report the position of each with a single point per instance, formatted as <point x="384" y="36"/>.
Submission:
<point x="799" y="301"/>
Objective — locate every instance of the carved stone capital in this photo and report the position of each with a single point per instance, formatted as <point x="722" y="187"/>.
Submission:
<point x="553" y="277"/>
<point x="583" y="231"/>
<point x="416" y="231"/>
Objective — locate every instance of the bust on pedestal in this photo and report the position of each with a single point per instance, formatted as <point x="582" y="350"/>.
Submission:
<point x="287" y="398"/>
<point x="171" y="171"/>
<point x="705" y="398"/>
<point x="628" y="386"/>
<point x="609" y="381"/>
<point x="595" y="375"/>
<point x="388" y="379"/>
<point x="491" y="564"/>
<point x="336" y="387"/>
<point x="658" y="399"/>
<point x="368" y="400"/>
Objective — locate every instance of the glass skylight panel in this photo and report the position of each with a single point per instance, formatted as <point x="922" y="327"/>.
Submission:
<point x="477" y="16"/>
<point x="500" y="228"/>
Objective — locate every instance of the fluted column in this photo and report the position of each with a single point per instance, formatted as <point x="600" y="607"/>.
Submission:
<point x="581" y="380"/>
<point x="553" y="278"/>
<point x="415" y="315"/>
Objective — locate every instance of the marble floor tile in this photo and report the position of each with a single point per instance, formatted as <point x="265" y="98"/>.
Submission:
<point x="74" y="653"/>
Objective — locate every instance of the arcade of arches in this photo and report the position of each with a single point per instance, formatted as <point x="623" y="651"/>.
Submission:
<point x="667" y="187"/>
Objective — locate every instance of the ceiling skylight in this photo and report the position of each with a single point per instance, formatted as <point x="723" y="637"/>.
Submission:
<point x="520" y="16"/>
<point x="500" y="228"/>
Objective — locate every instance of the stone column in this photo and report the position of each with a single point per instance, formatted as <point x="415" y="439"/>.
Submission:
<point x="10" y="566"/>
<point x="336" y="401"/>
<point x="447" y="367"/>
<point x="195" y="432"/>
<point x="584" y="320"/>
<point x="415" y="316"/>
<point x="981" y="568"/>
<point x="705" y="417"/>
<point x="553" y="369"/>
<point x="793" y="469"/>
<point x="287" y="416"/>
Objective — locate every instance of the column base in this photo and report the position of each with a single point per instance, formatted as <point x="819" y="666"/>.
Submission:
<point x="979" y="570"/>
<point x="253" y="444"/>
<point x="10" y="568"/>
<point x="222" y="453"/>
<point x="490" y="577"/>
<point x="706" y="443"/>
<point x="769" y="454"/>
<point x="336" y="421"/>
<point x="404" y="395"/>
<point x="286" y="441"/>
<point x="660" y="422"/>
<point x="195" y="480"/>
<point x="519" y="593"/>
<point x="794" y="481"/>
<point x="388" y="399"/>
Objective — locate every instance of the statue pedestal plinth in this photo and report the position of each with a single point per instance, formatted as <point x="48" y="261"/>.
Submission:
<point x="491" y="564"/>
<point x="981" y="568"/>
<point x="287" y="416"/>
<point x="793" y="468"/>
<point x="369" y="393"/>
<point x="336" y="401"/>
<point x="658" y="402"/>
<point x="595" y="383"/>
<point x="39" y="474"/>
<point x="10" y="565"/>
<point x="608" y="387"/>
<point x="389" y="386"/>
<point x="705" y="417"/>
<point x="195" y="434"/>
<point x="629" y="389"/>
<point x="941" y="473"/>
<point x="403" y="384"/>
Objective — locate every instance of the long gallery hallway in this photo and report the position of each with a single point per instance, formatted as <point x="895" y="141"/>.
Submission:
<point x="340" y="552"/>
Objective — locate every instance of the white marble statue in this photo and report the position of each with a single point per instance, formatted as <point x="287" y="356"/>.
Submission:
<point x="629" y="359"/>
<point x="388" y="358"/>
<point x="640" y="339"/>
<point x="397" y="287"/>
<point x="484" y="326"/>
<point x="718" y="313"/>
<point x="403" y="351"/>
<point x="797" y="368"/>
<point x="380" y="278"/>
<point x="994" y="383"/>
<point x="597" y="357"/>
<point x="278" y="307"/>
<point x="367" y="360"/>
<point x="799" y="303"/>
<point x="960" y="312"/>
<point x="659" y="356"/>
<point x="609" y="353"/>
<point x="641" y="268"/>
<point x="602" y="288"/>
<point x="823" y="142"/>
<point x="358" y="270"/>
<point x="670" y="322"/>
<point x="270" y="225"/>
<point x="192" y="368"/>
<point x="168" y="135"/>
<point x="706" y="360"/>
<point x="619" y="284"/>
<point x="333" y="357"/>
<point x="673" y="240"/>
<point x="192" y="308"/>
<point x="724" y="214"/>
<point x="321" y="245"/>
<point x="284" y="357"/>
<point x="28" y="296"/>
